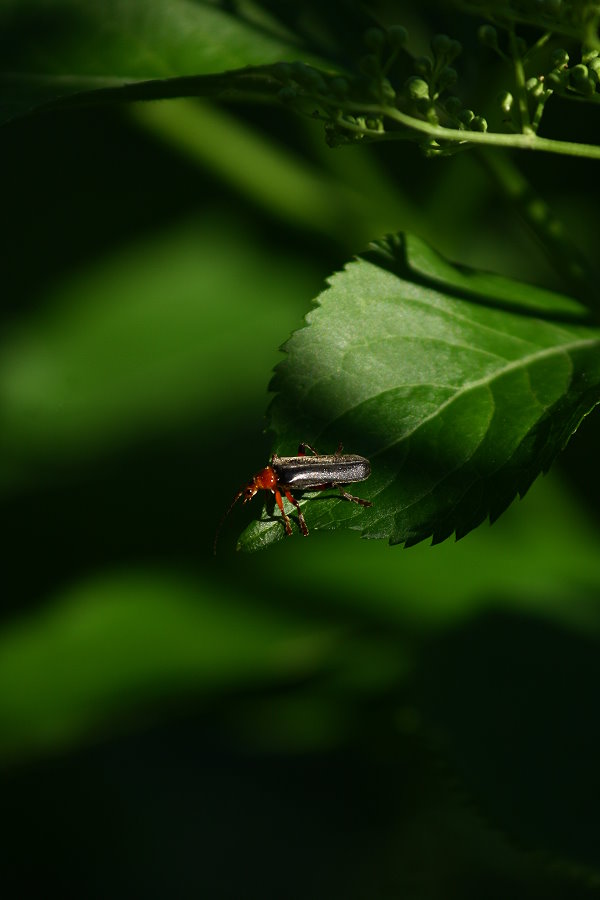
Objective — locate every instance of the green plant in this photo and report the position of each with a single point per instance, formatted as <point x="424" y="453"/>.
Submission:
<point x="389" y="94"/>
<point x="180" y="178"/>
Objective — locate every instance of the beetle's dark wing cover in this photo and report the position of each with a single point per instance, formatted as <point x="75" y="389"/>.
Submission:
<point x="305" y="472"/>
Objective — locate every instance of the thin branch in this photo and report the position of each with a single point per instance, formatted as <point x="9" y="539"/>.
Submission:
<point x="488" y="138"/>
<point x="520" y="83"/>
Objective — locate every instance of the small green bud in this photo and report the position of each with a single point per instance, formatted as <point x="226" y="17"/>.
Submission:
<point x="423" y="66"/>
<point x="374" y="39"/>
<point x="505" y="101"/>
<point x="488" y="36"/>
<point x="431" y="114"/>
<point x="587" y="87"/>
<point x="594" y="68"/>
<point x="416" y="88"/>
<point x="387" y="91"/>
<point x="588" y="56"/>
<point x="441" y="45"/>
<point x="535" y="87"/>
<point x="447" y="77"/>
<point x="466" y="116"/>
<point x="452" y="105"/>
<point x="397" y="37"/>
<point x="478" y="124"/>
<point x="557" y="78"/>
<point x="431" y="147"/>
<point x="369" y="65"/>
<point x="579" y="75"/>
<point x="560" y="58"/>
<point x="454" y="51"/>
<point x="424" y="105"/>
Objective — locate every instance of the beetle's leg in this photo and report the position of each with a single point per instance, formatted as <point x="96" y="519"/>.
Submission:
<point x="339" y="450"/>
<point x="293" y="500"/>
<point x="286" y="518"/>
<point x="344" y="494"/>
<point x="358" y="500"/>
<point x="304" y="447"/>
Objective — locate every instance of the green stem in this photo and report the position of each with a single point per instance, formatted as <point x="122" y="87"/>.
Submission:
<point x="541" y="42"/>
<point x="258" y="83"/>
<point x="489" y="138"/>
<point x="521" y="91"/>
<point x="539" y="111"/>
<point x="570" y="264"/>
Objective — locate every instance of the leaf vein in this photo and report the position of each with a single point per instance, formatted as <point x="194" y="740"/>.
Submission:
<point x="513" y="365"/>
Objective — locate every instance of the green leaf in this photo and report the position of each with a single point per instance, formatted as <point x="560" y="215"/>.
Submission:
<point x="459" y="396"/>
<point x="165" y="636"/>
<point x="131" y="49"/>
<point x="134" y="343"/>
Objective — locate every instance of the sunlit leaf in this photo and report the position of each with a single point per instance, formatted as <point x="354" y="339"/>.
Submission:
<point x="457" y="393"/>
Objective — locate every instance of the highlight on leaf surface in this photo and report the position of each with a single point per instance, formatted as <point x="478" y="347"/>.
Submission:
<point x="460" y="386"/>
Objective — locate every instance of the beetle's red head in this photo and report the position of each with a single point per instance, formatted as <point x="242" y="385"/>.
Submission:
<point x="265" y="480"/>
<point x="248" y="491"/>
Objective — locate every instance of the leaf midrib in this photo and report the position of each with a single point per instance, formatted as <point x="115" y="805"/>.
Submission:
<point x="513" y="365"/>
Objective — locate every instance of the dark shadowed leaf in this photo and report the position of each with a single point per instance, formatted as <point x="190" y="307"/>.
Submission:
<point x="54" y="51"/>
<point x="452" y="382"/>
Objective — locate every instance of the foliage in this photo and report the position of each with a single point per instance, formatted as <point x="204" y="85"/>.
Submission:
<point x="330" y="717"/>
<point x="459" y="404"/>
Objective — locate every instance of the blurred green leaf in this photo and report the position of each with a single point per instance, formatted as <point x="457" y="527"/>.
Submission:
<point x="266" y="171"/>
<point x="117" y="643"/>
<point x="158" y="333"/>
<point x="458" y="395"/>
<point x="115" y="648"/>
<point x="55" y="50"/>
<point x="541" y="558"/>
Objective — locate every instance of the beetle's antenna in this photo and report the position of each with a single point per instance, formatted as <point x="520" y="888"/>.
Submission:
<point x="239" y="494"/>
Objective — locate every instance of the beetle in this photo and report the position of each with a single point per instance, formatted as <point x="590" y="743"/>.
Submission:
<point x="304" y="473"/>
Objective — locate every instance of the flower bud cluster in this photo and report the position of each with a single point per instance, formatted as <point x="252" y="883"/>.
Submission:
<point x="582" y="78"/>
<point x="343" y="102"/>
<point x="426" y="92"/>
